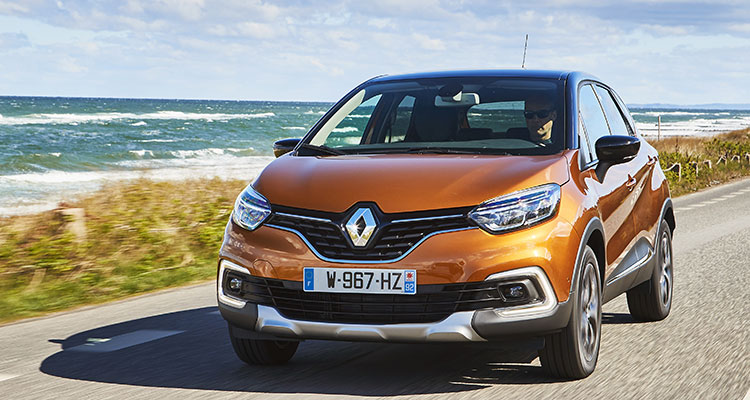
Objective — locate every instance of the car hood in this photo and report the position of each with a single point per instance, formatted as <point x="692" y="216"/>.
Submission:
<point x="403" y="182"/>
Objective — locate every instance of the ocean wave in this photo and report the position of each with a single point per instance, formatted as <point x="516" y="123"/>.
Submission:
<point x="209" y="152"/>
<point x="346" y="129"/>
<point x="157" y="140"/>
<point x="294" y="128"/>
<point x="196" y="153"/>
<point x="311" y="112"/>
<point x="669" y="113"/>
<point x="75" y="119"/>
<point x="36" y="192"/>
<point x="139" y="123"/>
<point x="141" y="153"/>
<point x="47" y="154"/>
<point x="694" y="127"/>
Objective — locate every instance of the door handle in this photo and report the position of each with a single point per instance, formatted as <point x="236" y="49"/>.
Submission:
<point x="631" y="183"/>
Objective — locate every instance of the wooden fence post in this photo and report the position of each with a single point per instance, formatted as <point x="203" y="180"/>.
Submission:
<point x="676" y="167"/>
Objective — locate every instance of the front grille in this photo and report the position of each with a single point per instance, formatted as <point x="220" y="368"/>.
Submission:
<point x="395" y="236"/>
<point x="431" y="303"/>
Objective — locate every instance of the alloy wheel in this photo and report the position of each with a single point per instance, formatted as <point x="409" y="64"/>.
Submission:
<point x="665" y="264"/>
<point x="590" y="321"/>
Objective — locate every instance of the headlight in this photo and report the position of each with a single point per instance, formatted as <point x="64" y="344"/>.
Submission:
<point x="250" y="209"/>
<point x="519" y="209"/>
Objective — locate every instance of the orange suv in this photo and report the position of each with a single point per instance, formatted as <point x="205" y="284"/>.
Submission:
<point x="453" y="206"/>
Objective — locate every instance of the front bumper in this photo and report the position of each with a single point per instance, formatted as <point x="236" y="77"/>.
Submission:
<point x="266" y="322"/>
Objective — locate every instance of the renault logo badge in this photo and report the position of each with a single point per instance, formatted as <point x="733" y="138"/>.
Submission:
<point x="361" y="226"/>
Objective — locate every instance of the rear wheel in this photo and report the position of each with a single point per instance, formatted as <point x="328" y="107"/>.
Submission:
<point x="573" y="352"/>
<point x="263" y="352"/>
<point x="652" y="300"/>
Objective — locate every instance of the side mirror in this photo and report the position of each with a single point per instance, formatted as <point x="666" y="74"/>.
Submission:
<point x="283" y="146"/>
<point x="615" y="149"/>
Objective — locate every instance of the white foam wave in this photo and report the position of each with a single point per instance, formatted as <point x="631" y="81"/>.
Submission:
<point x="294" y="128"/>
<point x="669" y="113"/>
<point x="311" y="112"/>
<point x="51" y="187"/>
<point x="74" y="119"/>
<point x="346" y="129"/>
<point x="48" y="154"/>
<point x="139" y="123"/>
<point x="694" y="127"/>
<point x="28" y="209"/>
<point x="157" y="140"/>
<point x="141" y="153"/>
<point x="197" y="153"/>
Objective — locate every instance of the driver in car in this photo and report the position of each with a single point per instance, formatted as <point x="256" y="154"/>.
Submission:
<point x="540" y="115"/>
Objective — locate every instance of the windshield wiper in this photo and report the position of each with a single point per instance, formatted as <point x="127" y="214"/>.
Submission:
<point x="322" y="149"/>
<point x="439" y="150"/>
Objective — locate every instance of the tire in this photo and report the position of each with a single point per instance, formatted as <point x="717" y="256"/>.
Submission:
<point x="573" y="352"/>
<point x="652" y="300"/>
<point x="263" y="352"/>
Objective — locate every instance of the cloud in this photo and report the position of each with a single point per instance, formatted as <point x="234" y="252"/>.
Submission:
<point x="13" y="41"/>
<point x="7" y="7"/>
<point x="427" y="42"/>
<point x="255" y="48"/>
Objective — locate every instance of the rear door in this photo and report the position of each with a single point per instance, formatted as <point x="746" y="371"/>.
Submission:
<point x="615" y="191"/>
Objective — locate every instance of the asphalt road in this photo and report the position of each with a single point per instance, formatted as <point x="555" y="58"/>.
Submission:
<point x="173" y="344"/>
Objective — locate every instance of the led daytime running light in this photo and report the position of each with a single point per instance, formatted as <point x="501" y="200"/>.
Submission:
<point x="250" y="209"/>
<point x="517" y="210"/>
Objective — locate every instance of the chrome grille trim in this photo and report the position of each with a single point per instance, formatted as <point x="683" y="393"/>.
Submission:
<point x="334" y="260"/>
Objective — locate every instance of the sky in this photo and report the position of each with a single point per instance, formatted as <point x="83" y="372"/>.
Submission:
<point x="679" y="52"/>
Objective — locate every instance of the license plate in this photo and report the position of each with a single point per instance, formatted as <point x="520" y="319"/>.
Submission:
<point x="360" y="280"/>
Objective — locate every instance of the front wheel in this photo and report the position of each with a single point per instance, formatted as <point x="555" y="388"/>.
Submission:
<point x="263" y="352"/>
<point x="573" y="352"/>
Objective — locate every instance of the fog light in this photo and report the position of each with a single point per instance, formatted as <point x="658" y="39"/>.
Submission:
<point x="235" y="284"/>
<point x="514" y="291"/>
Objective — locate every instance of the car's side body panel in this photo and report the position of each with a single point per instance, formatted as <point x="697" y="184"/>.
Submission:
<point x="628" y="200"/>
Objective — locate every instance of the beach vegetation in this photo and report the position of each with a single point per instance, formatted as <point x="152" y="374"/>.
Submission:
<point x="138" y="237"/>
<point x="695" y="163"/>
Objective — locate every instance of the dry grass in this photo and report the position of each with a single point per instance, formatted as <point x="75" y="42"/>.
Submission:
<point x="140" y="236"/>
<point x="691" y="151"/>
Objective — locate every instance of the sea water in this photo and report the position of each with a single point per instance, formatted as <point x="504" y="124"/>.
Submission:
<point x="53" y="149"/>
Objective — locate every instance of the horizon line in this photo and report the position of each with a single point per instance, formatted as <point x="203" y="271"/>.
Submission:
<point x="740" y="106"/>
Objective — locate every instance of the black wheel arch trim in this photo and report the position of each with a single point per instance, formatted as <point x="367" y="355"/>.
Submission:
<point x="594" y="225"/>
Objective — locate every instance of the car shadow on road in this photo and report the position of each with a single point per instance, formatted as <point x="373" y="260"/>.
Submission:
<point x="197" y="355"/>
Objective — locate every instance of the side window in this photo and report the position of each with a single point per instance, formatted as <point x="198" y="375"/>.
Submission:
<point x="402" y="119"/>
<point x="617" y="124"/>
<point x="625" y="111"/>
<point x="592" y="116"/>
<point x="583" y="140"/>
<point x="350" y="130"/>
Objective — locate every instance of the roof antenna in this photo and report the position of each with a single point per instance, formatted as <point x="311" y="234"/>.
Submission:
<point x="525" y="45"/>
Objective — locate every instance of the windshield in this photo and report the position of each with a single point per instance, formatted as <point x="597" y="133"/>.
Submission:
<point x="456" y="115"/>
